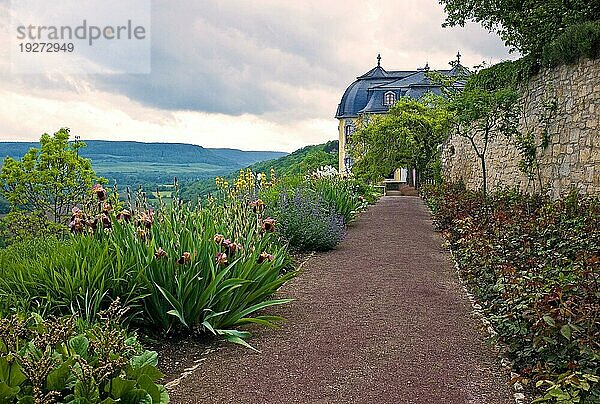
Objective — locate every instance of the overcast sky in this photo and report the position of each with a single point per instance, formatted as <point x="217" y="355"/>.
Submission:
<point x="253" y="74"/>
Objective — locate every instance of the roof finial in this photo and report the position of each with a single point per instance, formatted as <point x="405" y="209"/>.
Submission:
<point x="458" y="58"/>
<point x="379" y="60"/>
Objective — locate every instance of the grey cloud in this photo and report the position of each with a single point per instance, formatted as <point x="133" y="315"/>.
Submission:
<point x="214" y="60"/>
<point x="287" y="58"/>
<point x="224" y="56"/>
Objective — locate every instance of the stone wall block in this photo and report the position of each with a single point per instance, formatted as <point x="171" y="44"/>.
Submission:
<point x="572" y="160"/>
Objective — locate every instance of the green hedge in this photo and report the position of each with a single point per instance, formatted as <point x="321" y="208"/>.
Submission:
<point x="577" y="41"/>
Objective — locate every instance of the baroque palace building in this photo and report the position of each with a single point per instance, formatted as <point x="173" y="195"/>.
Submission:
<point x="376" y="91"/>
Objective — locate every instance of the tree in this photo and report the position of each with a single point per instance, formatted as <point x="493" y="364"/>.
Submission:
<point x="407" y="136"/>
<point x="480" y="115"/>
<point x="525" y="25"/>
<point x="47" y="182"/>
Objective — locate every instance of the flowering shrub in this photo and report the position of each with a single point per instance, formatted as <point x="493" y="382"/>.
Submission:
<point x="19" y="226"/>
<point x="332" y="201"/>
<point x="313" y="211"/>
<point x="307" y="221"/>
<point x="534" y="265"/>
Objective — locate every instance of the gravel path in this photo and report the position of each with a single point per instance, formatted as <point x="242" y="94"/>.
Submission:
<point x="382" y="319"/>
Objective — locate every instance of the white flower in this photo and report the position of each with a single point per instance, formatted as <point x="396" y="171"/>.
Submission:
<point x="324" y="172"/>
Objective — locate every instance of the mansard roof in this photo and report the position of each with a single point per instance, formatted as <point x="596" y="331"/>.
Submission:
<point x="356" y="97"/>
<point x="365" y="95"/>
<point x="416" y="78"/>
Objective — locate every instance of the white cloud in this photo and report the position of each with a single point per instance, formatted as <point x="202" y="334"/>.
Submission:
<point x="116" y="117"/>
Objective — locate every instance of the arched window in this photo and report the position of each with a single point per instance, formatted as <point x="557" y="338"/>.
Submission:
<point x="389" y="98"/>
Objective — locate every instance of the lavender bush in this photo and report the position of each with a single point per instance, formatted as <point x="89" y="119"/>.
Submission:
<point x="308" y="221"/>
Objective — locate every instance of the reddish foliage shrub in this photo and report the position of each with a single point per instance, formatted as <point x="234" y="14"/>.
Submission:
<point x="534" y="265"/>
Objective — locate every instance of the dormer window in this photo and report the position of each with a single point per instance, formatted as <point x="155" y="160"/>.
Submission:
<point x="389" y="98"/>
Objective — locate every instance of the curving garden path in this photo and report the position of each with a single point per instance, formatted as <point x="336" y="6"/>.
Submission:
<point x="382" y="319"/>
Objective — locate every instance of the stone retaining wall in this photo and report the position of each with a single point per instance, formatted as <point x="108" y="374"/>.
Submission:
<point x="572" y="160"/>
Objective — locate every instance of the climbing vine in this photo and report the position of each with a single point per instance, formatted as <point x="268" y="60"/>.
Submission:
<point x="529" y="145"/>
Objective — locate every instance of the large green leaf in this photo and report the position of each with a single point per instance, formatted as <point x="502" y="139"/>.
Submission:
<point x="145" y="383"/>
<point x="177" y="310"/>
<point x="146" y="358"/>
<point x="237" y="337"/>
<point x="87" y="390"/>
<point x="149" y="370"/>
<point x="259" y="306"/>
<point x="62" y="377"/>
<point x="565" y="330"/>
<point x="164" y="395"/>
<point x="152" y="372"/>
<point x="11" y="373"/>
<point x="268" y="321"/>
<point x="119" y="387"/>
<point x="137" y="396"/>
<point x="7" y="393"/>
<point x="206" y="323"/>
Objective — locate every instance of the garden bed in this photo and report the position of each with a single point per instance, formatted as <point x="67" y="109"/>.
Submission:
<point x="180" y="273"/>
<point x="533" y="265"/>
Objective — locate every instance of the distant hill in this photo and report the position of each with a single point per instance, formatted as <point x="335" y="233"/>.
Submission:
<point x="137" y="163"/>
<point x="300" y="162"/>
<point x="153" y="152"/>
<point x="246" y="158"/>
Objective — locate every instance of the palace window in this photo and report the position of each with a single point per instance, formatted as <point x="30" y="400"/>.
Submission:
<point x="348" y="163"/>
<point x="389" y="98"/>
<point x="348" y="130"/>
